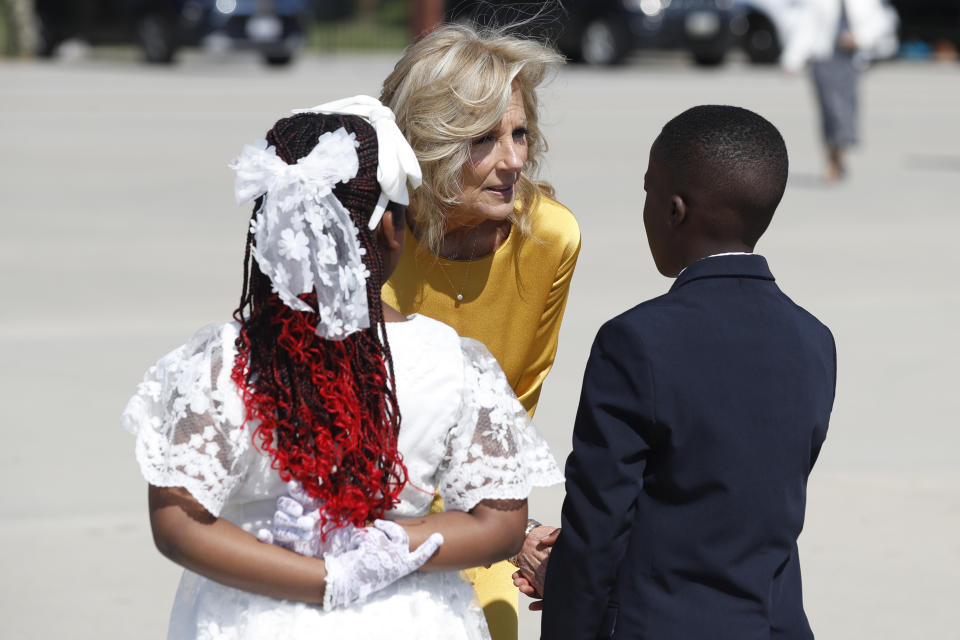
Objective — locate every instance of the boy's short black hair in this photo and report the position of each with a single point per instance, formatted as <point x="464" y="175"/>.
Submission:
<point x="737" y="157"/>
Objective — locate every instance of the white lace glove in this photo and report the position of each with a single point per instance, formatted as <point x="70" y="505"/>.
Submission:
<point x="294" y="521"/>
<point x="358" y="561"/>
<point x="382" y="556"/>
<point x="295" y="526"/>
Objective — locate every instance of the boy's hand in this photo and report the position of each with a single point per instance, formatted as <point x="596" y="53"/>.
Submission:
<point x="527" y="589"/>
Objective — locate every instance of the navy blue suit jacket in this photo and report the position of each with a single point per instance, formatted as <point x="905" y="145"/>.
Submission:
<point x="701" y="415"/>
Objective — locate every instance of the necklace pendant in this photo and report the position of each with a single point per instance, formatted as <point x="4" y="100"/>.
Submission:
<point x="459" y="297"/>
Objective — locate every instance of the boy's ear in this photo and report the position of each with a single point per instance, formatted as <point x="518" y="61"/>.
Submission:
<point x="678" y="211"/>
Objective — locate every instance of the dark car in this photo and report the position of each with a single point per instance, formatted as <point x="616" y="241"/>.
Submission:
<point x="929" y="20"/>
<point x="606" y="31"/>
<point x="275" y="28"/>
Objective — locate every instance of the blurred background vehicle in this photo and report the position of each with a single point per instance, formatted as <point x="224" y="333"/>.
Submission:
<point x="770" y="23"/>
<point x="274" y="28"/>
<point x="599" y="32"/>
<point x="935" y="22"/>
<point x="326" y="10"/>
<point x="604" y="32"/>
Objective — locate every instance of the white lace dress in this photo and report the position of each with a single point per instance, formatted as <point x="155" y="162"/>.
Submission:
<point x="463" y="433"/>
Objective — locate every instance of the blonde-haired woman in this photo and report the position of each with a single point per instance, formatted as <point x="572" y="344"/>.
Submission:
<point x="488" y="251"/>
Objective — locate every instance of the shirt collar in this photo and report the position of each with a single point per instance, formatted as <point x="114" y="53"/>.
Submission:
<point x="725" y="265"/>
<point x="717" y="255"/>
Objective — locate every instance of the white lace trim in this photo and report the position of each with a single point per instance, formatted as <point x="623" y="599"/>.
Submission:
<point x="304" y="238"/>
<point x="187" y="417"/>
<point x="494" y="452"/>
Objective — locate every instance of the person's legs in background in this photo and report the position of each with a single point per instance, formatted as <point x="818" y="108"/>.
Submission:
<point x="835" y="80"/>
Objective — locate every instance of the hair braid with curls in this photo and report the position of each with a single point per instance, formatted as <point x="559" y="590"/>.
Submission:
<point x="327" y="409"/>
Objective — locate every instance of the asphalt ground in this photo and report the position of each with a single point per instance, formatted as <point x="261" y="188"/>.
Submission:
<point x="120" y="238"/>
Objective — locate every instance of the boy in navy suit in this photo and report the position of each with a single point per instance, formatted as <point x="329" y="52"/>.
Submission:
<point x="701" y="415"/>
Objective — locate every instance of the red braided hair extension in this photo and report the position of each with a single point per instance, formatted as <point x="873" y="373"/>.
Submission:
<point x="327" y="410"/>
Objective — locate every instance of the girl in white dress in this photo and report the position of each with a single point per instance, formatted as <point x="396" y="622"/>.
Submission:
<point x="308" y="385"/>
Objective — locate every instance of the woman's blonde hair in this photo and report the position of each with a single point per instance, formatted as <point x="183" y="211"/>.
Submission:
<point x="452" y="87"/>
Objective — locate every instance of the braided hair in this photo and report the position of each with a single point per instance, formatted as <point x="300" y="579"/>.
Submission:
<point x="327" y="410"/>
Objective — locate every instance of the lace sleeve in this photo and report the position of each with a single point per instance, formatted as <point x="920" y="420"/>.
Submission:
<point x="493" y="452"/>
<point x="188" y="420"/>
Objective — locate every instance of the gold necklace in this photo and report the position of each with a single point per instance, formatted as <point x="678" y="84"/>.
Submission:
<point x="458" y="293"/>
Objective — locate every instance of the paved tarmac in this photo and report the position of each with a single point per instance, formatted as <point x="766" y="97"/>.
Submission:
<point x="120" y="238"/>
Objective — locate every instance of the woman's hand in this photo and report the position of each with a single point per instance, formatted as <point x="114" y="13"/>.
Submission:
<point x="846" y="41"/>
<point x="532" y="560"/>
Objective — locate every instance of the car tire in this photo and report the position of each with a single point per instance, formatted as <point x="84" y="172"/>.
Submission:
<point x="47" y="39"/>
<point x="760" y="42"/>
<point x="709" y="59"/>
<point x="278" y="59"/>
<point x="603" y="43"/>
<point x="156" y="35"/>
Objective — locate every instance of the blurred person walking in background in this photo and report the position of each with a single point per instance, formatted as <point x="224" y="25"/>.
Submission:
<point x="837" y="38"/>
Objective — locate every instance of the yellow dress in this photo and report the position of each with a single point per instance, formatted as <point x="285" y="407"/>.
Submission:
<point x="512" y="301"/>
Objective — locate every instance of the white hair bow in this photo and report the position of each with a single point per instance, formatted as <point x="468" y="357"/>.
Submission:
<point x="396" y="162"/>
<point x="304" y="237"/>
